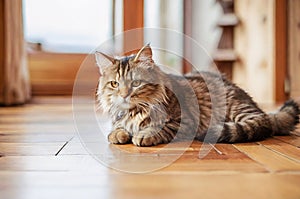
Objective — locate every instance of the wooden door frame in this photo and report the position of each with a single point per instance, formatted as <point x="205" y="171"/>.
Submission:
<point x="187" y="31"/>
<point x="133" y="19"/>
<point x="281" y="48"/>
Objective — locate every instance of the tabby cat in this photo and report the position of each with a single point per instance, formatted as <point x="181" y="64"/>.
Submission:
<point x="147" y="110"/>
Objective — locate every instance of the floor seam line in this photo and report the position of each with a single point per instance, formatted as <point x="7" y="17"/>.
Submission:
<point x="63" y="146"/>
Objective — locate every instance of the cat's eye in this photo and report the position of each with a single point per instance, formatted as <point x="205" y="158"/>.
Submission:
<point x="114" y="84"/>
<point x="136" y="83"/>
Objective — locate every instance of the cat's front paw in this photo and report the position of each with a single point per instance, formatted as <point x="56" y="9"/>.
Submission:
<point x="119" y="136"/>
<point x="146" y="138"/>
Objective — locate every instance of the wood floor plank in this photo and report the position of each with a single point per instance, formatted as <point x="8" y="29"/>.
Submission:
<point x="74" y="148"/>
<point x="37" y="128"/>
<point x="31" y="135"/>
<point x="52" y="163"/>
<point x="291" y="139"/>
<point x="187" y="164"/>
<point x="230" y="161"/>
<point x="282" y="148"/>
<point x="273" y="161"/>
<point x="23" y="149"/>
<point x="35" y="185"/>
<point x="35" y="137"/>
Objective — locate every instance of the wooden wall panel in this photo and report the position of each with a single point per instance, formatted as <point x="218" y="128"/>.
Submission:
<point x="261" y="44"/>
<point x="254" y="45"/>
<point x="294" y="47"/>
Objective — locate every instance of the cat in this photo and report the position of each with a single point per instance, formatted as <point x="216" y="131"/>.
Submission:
<point x="150" y="107"/>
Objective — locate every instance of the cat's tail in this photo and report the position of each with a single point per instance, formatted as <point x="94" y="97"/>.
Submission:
<point x="285" y="119"/>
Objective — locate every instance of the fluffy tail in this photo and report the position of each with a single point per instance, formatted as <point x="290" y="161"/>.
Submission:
<point x="285" y="120"/>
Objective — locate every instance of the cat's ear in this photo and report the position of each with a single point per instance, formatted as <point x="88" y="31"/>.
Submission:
<point x="144" y="53"/>
<point x="103" y="61"/>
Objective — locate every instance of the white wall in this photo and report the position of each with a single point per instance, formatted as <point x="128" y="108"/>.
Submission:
<point x="205" y="31"/>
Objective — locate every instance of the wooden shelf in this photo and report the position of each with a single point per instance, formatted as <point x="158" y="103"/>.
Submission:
<point x="228" y="20"/>
<point x="227" y="55"/>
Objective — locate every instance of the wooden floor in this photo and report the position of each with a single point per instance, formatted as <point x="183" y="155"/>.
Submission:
<point x="41" y="156"/>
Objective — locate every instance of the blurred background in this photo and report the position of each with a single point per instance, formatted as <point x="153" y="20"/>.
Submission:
<point x="254" y="43"/>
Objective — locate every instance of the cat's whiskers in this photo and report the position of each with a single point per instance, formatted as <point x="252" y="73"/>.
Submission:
<point x="98" y="106"/>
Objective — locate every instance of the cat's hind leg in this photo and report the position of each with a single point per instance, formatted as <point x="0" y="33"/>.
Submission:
<point x="244" y="123"/>
<point x="246" y="127"/>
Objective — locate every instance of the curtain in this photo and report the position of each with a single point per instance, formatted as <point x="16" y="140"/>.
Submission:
<point x="14" y="75"/>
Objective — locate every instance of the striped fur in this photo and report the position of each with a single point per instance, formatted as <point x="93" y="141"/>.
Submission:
<point x="150" y="107"/>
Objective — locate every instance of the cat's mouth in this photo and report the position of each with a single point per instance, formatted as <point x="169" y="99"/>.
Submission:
<point x="125" y="104"/>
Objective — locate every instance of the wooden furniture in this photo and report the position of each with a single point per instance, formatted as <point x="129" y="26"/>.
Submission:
<point x="55" y="73"/>
<point x="225" y="56"/>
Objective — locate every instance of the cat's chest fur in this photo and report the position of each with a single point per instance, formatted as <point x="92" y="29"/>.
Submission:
<point x="135" y="120"/>
<point x="128" y="121"/>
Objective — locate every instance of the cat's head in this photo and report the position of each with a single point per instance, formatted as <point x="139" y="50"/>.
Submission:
<point x="129" y="82"/>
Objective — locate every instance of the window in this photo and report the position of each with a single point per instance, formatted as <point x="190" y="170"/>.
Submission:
<point x="67" y="30"/>
<point x="68" y="26"/>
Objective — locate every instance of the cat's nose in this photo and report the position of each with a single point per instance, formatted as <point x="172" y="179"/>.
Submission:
<point x="124" y="93"/>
